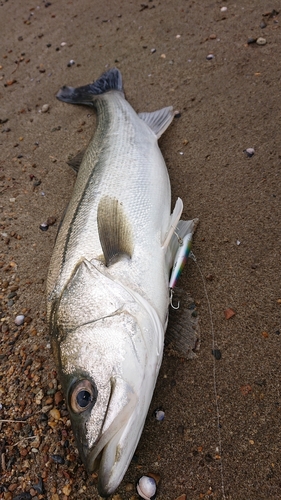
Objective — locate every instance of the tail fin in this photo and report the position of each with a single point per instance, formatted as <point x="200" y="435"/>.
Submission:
<point x="110" y="80"/>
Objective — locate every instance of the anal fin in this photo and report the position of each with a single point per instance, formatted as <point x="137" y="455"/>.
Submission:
<point x="114" y="230"/>
<point x="75" y="161"/>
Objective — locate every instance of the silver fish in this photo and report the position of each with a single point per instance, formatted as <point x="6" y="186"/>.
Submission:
<point x="108" y="282"/>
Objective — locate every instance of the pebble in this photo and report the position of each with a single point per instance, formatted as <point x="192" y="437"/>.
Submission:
<point x="45" y="108"/>
<point x="70" y="63"/>
<point x="19" y="320"/>
<point x="153" y="51"/>
<point x="159" y="414"/>
<point x="251" y="40"/>
<point x="223" y="9"/>
<point x="51" y="221"/>
<point x="63" y="44"/>
<point x="44" y="226"/>
<point x="66" y="490"/>
<point x="58" y="459"/>
<point x="216" y="353"/>
<point x="249" y="152"/>
<point x="58" y="397"/>
<point x="23" y="496"/>
<point x="210" y="57"/>
<point x="261" y="41"/>
<point x="54" y="413"/>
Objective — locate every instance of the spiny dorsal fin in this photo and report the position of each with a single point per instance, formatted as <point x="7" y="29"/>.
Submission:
<point x="75" y="161"/>
<point x="114" y="230"/>
<point x="158" y="120"/>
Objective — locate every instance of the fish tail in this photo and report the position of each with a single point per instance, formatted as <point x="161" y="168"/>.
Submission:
<point x="110" y="80"/>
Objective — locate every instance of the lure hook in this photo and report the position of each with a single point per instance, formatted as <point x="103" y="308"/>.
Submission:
<point x="171" y="300"/>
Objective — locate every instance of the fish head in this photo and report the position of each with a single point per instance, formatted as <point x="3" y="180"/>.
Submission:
<point x="108" y="366"/>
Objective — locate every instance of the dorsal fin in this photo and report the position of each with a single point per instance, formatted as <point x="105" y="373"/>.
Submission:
<point x="158" y="120"/>
<point x="114" y="230"/>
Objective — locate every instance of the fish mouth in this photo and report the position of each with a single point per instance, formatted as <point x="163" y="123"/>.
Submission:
<point x="113" y="451"/>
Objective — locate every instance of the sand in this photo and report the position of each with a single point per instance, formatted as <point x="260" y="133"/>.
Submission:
<point x="227" y="104"/>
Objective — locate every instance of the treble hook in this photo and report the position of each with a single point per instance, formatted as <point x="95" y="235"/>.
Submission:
<point x="171" y="300"/>
<point x="180" y="240"/>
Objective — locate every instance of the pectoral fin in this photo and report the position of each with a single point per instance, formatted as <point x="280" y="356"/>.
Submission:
<point x="114" y="230"/>
<point x="174" y="219"/>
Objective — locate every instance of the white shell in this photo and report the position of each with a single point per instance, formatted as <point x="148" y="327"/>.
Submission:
<point x="146" y="487"/>
<point x="19" y="320"/>
<point x="159" y="415"/>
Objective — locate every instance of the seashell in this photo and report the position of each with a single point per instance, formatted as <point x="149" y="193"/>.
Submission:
<point x="159" y="414"/>
<point x="146" y="488"/>
<point x="19" y="320"/>
<point x="249" y="152"/>
<point x="44" y="226"/>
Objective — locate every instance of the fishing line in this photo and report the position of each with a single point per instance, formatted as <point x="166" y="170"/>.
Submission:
<point x="192" y="256"/>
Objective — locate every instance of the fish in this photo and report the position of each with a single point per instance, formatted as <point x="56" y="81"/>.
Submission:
<point x="108" y="290"/>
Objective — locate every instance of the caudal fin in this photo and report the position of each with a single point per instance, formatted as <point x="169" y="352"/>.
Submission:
<point x="110" y="80"/>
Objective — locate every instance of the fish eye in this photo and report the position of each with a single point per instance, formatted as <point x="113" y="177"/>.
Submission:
<point x="83" y="396"/>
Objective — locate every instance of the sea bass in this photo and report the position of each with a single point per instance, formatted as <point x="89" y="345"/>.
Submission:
<point x="108" y="282"/>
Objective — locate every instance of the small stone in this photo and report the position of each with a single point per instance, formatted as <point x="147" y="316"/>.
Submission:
<point x="45" y="108"/>
<point x="19" y="320"/>
<point x="55" y="414"/>
<point x="58" y="397"/>
<point x="70" y="63"/>
<point x="223" y="9"/>
<point x="63" y="44"/>
<point x="251" y="40"/>
<point x="51" y="221"/>
<point x="44" y="226"/>
<point x="249" y="152"/>
<point x="216" y="353"/>
<point x="210" y="57"/>
<point x="229" y="313"/>
<point x="58" y="459"/>
<point x="159" y="414"/>
<point x="153" y="51"/>
<point x="66" y="490"/>
<point x="261" y="41"/>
